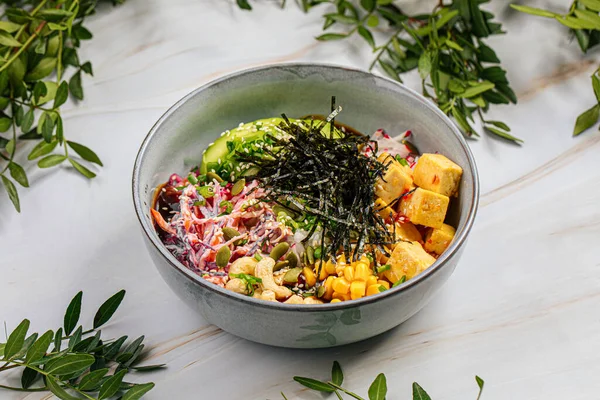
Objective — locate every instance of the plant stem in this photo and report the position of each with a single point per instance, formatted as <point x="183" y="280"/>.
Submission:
<point x="385" y="46"/>
<point x="349" y="393"/>
<point x="18" y="389"/>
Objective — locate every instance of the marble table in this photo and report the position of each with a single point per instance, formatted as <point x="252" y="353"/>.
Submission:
<point x="521" y="310"/>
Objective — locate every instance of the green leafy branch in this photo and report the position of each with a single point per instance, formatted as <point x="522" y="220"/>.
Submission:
<point x="80" y="370"/>
<point x="458" y="70"/>
<point x="584" y="21"/>
<point x="39" y="41"/>
<point x="377" y="390"/>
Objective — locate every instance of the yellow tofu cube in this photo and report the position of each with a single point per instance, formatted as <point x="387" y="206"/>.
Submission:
<point x="424" y="207"/>
<point x="438" y="240"/>
<point x="397" y="179"/>
<point x="384" y="210"/>
<point x="408" y="258"/>
<point x="437" y="173"/>
<point x="407" y="231"/>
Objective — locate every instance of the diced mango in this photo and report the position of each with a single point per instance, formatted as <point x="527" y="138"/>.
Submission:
<point x="383" y="210"/>
<point x="408" y="258"/>
<point x="437" y="173"/>
<point x="424" y="207"/>
<point x="438" y="240"/>
<point x="357" y="289"/>
<point x="397" y="179"/>
<point x="407" y="231"/>
<point x="309" y="276"/>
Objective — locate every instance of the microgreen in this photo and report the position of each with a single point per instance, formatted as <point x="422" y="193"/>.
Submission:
<point x="82" y="368"/>
<point x="39" y="43"/>
<point x="249" y="280"/>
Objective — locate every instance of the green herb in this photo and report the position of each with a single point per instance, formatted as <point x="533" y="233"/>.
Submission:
<point x="399" y="281"/>
<point x="257" y="257"/>
<point x="381" y="269"/>
<point x="382" y="288"/>
<point x="459" y="71"/>
<point x="200" y="203"/>
<point x="322" y="174"/>
<point x="192" y="179"/>
<point x="249" y="280"/>
<point x="317" y="253"/>
<point x="584" y="22"/>
<point x="39" y="42"/>
<point x="402" y="161"/>
<point x="83" y="367"/>
<point x="227" y="205"/>
<point x="377" y="390"/>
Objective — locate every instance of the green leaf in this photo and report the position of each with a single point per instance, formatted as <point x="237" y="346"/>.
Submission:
<point x="59" y="129"/>
<point x="75" y="337"/>
<point x="5" y="124"/>
<point x="28" y="377"/>
<point x="341" y="18"/>
<point x="337" y="376"/>
<point x="419" y="393"/>
<point x="244" y="5"/>
<point x="146" y="368"/>
<point x="368" y="5"/>
<point x="389" y="70"/>
<point x="72" y="314"/>
<point x="2" y="346"/>
<point x="42" y="69"/>
<point x="453" y="45"/>
<point x="486" y="54"/>
<point x="87" y="68"/>
<point x="85" y="152"/>
<point x="108" y="308"/>
<point x="137" y="391"/>
<point x="503" y="134"/>
<point x="58" y="339"/>
<point x="53" y="14"/>
<point x="378" y="388"/>
<point x="507" y="91"/>
<point x="480" y="382"/>
<point x="113" y="348"/>
<point x="39" y="90"/>
<point x="28" y="119"/>
<point x="82" y="33"/>
<point x="596" y="86"/>
<point x="8" y="40"/>
<point x="18" y="174"/>
<point x="591" y="4"/>
<point x="91" y="380"/>
<point x="480" y="27"/>
<point x="57" y="390"/>
<point x="367" y="35"/>
<point x="39" y="348"/>
<point x="51" y="160"/>
<point x="41" y="149"/>
<point x="62" y="93"/>
<point x="13" y="195"/>
<point x="479" y="88"/>
<point x="17" y="337"/>
<point x="75" y="86"/>
<point x="586" y="120"/>
<point x="331" y="36"/>
<point x="9" y="27"/>
<point x="373" y="21"/>
<point x="445" y="18"/>
<point x="583" y="38"/>
<point x="534" y="11"/>
<point x="590" y="17"/>
<point x="68" y="364"/>
<point x="315" y="384"/>
<point x="111" y="386"/>
<point x="29" y="341"/>
<point x="574" y="23"/>
<point x="425" y="64"/>
<point x="499" y="124"/>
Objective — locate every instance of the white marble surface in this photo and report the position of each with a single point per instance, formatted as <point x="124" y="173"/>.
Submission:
<point x="521" y="310"/>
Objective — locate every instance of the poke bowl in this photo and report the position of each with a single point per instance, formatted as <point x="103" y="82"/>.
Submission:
<point x="305" y="205"/>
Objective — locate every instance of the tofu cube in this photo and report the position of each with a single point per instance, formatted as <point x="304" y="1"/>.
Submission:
<point x="408" y="258"/>
<point x="438" y="240"/>
<point x="424" y="207"/>
<point x="407" y="231"/>
<point x="437" y="173"/>
<point x="383" y="210"/>
<point x="396" y="180"/>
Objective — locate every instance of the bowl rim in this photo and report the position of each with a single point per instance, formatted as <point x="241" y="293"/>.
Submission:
<point x="148" y="229"/>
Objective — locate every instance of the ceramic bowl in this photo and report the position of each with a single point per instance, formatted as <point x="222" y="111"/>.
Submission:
<point x="176" y="143"/>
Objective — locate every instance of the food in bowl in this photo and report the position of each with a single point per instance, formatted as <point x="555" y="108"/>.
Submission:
<point x="308" y="211"/>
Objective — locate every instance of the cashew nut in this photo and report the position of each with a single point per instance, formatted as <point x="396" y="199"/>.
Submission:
<point x="237" y="285"/>
<point x="295" y="299"/>
<point x="312" y="300"/>
<point x="268" y="295"/>
<point x="244" y="265"/>
<point x="257" y="293"/>
<point x="278" y="278"/>
<point x="264" y="271"/>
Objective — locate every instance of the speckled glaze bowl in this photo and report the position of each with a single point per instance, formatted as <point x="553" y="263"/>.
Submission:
<point x="176" y="143"/>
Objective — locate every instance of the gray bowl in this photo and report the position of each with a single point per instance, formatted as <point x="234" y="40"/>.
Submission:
<point x="176" y="143"/>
